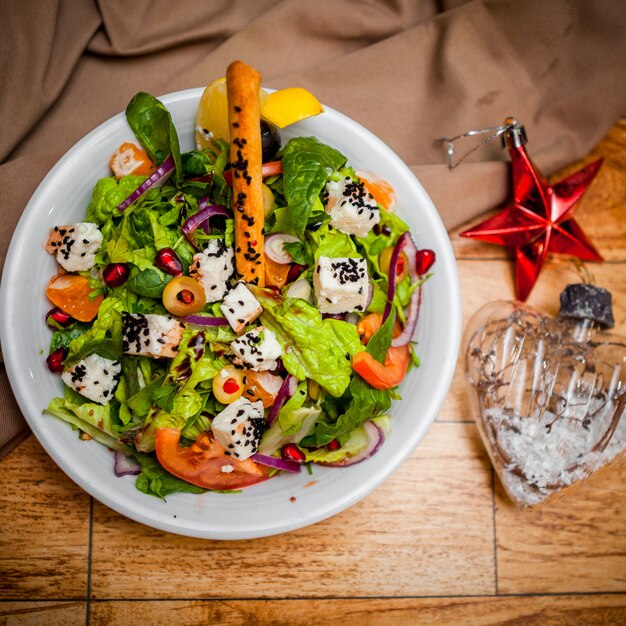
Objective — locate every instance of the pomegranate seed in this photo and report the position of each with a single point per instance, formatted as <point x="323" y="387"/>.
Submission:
<point x="294" y="271"/>
<point x="56" y="318"/>
<point x="55" y="359"/>
<point x="168" y="261"/>
<point x="424" y="260"/>
<point x="333" y="445"/>
<point x="291" y="452"/>
<point x="230" y="386"/>
<point x="115" y="274"/>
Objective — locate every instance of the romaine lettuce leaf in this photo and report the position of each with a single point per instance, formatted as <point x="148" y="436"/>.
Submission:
<point x="330" y="242"/>
<point x="363" y="401"/>
<point x="105" y="335"/>
<point x="94" y="419"/>
<point x="317" y="348"/>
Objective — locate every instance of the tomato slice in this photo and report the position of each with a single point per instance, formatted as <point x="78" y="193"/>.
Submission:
<point x="202" y="462"/>
<point x="70" y="292"/>
<point x="383" y="375"/>
<point x="267" y="169"/>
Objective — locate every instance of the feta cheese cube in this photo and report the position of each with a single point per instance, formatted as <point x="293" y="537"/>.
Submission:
<point x="258" y="348"/>
<point x="94" y="377"/>
<point x="341" y="285"/>
<point x="151" y="335"/>
<point x="212" y="268"/>
<point x="240" y="307"/>
<point x="352" y="208"/>
<point x="239" y="428"/>
<point x="75" y="245"/>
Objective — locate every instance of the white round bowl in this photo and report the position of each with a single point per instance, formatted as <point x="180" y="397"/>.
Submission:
<point x="288" y="501"/>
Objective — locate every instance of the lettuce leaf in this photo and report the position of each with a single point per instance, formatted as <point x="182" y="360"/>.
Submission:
<point x="105" y="335"/>
<point x="107" y="194"/>
<point x="307" y="164"/>
<point x="94" y="419"/>
<point x="362" y="400"/>
<point x="318" y="349"/>
<point x="330" y="242"/>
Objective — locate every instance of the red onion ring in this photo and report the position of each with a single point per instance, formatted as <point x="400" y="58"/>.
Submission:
<point x="287" y="389"/>
<point x="156" y="179"/>
<point x="201" y="320"/>
<point x="125" y="465"/>
<point x="376" y="439"/>
<point x="205" y="211"/>
<point x="272" y="461"/>
<point x="273" y="247"/>
<point x="405" y="241"/>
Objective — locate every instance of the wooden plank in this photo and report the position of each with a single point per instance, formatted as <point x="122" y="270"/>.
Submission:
<point x="44" y="534"/>
<point x="36" y="613"/>
<point x="601" y="212"/>
<point x="408" y="537"/>
<point x="577" y="543"/>
<point x="557" y="610"/>
<point x="486" y="281"/>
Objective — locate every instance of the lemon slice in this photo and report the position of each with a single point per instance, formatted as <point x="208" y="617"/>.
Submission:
<point x="281" y="108"/>
<point x="287" y="106"/>
<point x="212" y="114"/>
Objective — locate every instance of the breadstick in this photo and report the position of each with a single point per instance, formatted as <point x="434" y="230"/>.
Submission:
<point x="244" y="122"/>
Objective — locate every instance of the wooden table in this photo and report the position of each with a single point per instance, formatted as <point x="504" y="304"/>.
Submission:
<point x="437" y="543"/>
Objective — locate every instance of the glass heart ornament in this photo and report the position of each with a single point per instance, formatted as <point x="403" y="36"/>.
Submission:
<point x="548" y="394"/>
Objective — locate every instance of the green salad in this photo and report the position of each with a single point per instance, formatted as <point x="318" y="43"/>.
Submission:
<point x="201" y="381"/>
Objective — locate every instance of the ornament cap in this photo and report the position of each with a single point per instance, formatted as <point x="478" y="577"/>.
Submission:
<point x="515" y="134"/>
<point x="585" y="301"/>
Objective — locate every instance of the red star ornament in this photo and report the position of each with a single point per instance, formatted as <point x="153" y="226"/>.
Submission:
<point x="539" y="219"/>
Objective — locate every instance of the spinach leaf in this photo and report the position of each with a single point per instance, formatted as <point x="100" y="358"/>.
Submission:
<point x="62" y="338"/>
<point x="148" y="283"/>
<point x="307" y="164"/>
<point x="152" y="124"/>
<point x="156" y="481"/>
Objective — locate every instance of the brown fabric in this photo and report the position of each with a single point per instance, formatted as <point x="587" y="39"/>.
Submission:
<point x="409" y="70"/>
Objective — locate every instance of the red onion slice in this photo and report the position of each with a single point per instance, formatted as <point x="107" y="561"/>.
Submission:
<point x="273" y="247"/>
<point x="411" y="320"/>
<point x="201" y="320"/>
<point x="272" y="461"/>
<point x="300" y="289"/>
<point x="205" y="211"/>
<point x="376" y="439"/>
<point x="155" y="180"/>
<point x="405" y="241"/>
<point x="287" y="390"/>
<point x="126" y="465"/>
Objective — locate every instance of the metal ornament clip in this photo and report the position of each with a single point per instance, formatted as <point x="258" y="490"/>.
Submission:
<point x="511" y="132"/>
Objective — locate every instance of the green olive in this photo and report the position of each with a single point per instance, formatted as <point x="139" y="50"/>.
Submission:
<point x="183" y="296"/>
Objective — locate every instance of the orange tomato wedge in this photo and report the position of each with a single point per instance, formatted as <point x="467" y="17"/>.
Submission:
<point x="70" y="292"/>
<point x="383" y="375"/>
<point x="131" y="160"/>
<point x="275" y="273"/>
<point x="383" y="192"/>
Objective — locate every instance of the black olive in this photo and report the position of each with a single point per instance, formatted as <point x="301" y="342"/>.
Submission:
<point x="270" y="140"/>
